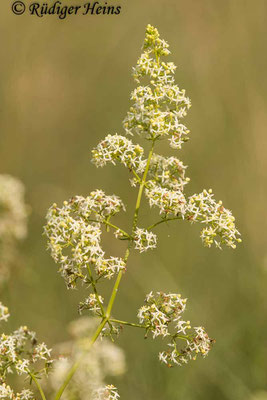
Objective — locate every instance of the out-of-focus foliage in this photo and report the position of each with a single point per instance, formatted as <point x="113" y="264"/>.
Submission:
<point x="104" y="359"/>
<point x="13" y="223"/>
<point x="64" y="86"/>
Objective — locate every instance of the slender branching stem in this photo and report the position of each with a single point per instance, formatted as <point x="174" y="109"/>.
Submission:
<point x="137" y="207"/>
<point x="95" y="290"/>
<point x="117" y="321"/>
<point x="141" y="188"/>
<point x="117" y="228"/>
<point x="161" y="222"/>
<point x="136" y="175"/>
<point x="112" y="226"/>
<point x="77" y="363"/>
<point x="106" y="315"/>
<point x="37" y="383"/>
<point x="116" y="286"/>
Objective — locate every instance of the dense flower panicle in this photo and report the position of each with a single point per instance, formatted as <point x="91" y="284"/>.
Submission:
<point x="166" y="185"/>
<point x="118" y="148"/>
<point x="158" y="107"/>
<point x="108" y="267"/>
<point x="157" y="110"/>
<point x="91" y="303"/>
<point x="13" y="221"/>
<point x="7" y="393"/>
<point x="162" y="316"/>
<point x="20" y="353"/>
<point x="168" y="172"/>
<point x="197" y="343"/>
<point x="168" y="201"/>
<point x="74" y="240"/>
<point x="153" y="43"/>
<point x="159" y="311"/>
<point x="103" y="359"/>
<point x="97" y="204"/>
<point x="144" y="240"/>
<point x="74" y="230"/>
<point x="220" y="221"/>
<point x="149" y="115"/>
<point x="20" y="350"/>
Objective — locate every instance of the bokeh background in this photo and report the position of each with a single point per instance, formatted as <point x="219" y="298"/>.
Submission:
<point x="64" y="86"/>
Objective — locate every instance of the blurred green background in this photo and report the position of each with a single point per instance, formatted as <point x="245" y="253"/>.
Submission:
<point x="64" y="86"/>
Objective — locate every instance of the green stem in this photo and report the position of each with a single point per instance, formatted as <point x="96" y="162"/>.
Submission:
<point x="141" y="188"/>
<point x="95" y="290"/>
<point x="135" y="218"/>
<point x="38" y="385"/>
<point x="118" y="280"/>
<point x="77" y="363"/>
<point x="128" y="323"/>
<point x="161" y="222"/>
<point x="136" y="175"/>
<point x="116" y="285"/>
<point x="112" y="226"/>
<point x="117" y="228"/>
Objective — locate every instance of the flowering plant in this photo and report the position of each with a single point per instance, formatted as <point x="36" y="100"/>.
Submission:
<point x="74" y="229"/>
<point x="20" y="353"/>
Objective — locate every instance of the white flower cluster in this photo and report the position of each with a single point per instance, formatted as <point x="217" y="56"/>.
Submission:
<point x="97" y="204"/>
<point x="15" y="346"/>
<point x="161" y="315"/>
<point x="13" y="221"/>
<point x="104" y="359"/>
<point x="118" y="148"/>
<point x="156" y="113"/>
<point x="74" y="240"/>
<point x="144" y="240"/>
<point x="7" y="393"/>
<point x="166" y="185"/>
<point x="20" y="353"/>
<point x="41" y="352"/>
<point x="168" y="172"/>
<point x="196" y="343"/>
<point x="159" y="311"/>
<point x="168" y="201"/>
<point x="91" y="303"/>
<point x="220" y="221"/>
<point x="158" y="107"/>
<point x="109" y="392"/>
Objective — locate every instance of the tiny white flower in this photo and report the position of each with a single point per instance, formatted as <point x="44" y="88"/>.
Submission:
<point x="144" y="240"/>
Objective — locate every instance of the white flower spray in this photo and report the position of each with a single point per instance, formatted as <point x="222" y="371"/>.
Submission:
<point x="74" y="229"/>
<point x="21" y="354"/>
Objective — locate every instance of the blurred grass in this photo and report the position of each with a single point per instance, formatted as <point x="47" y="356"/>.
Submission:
<point x="65" y="85"/>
